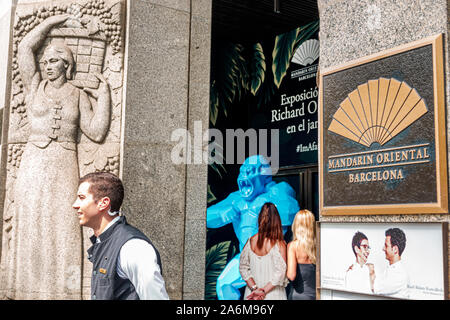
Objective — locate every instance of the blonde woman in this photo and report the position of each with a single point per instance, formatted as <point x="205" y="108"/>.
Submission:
<point x="301" y="257"/>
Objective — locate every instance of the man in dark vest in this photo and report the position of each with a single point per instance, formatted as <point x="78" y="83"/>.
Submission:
<point x="126" y="265"/>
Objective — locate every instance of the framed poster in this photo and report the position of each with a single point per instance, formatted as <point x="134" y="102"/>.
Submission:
<point x="392" y="260"/>
<point x="382" y="133"/>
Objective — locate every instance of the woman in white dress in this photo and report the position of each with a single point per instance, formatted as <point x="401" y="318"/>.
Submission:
<point x="263" y="259"/>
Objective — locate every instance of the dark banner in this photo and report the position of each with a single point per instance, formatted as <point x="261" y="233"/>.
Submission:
<point x="293" y="107"/>
<point x="266" y="85"/>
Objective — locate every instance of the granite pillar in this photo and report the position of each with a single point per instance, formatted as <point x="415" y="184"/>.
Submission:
<point x="196" y="174"/>
<point x="167" y="89"/>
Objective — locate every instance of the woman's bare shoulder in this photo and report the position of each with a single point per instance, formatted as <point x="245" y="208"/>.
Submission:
<point x="292" y="245"/>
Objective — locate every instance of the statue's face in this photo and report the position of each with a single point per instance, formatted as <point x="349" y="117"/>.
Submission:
<point x="55" y="67"/>
<point x="251" y="182"/>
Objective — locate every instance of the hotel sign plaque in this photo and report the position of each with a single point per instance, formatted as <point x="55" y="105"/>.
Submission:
<point x="382" y="133"/>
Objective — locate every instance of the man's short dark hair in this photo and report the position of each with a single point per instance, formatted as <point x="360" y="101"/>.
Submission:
<point x="398" y="238"/>
<point x="357" y="239"/>
<point x="105" y="184"/>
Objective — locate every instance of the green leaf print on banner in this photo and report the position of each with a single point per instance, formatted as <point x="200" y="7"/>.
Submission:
<point x="282" y="54"/>
<point x="211" y="196"/>
<point x="213" y="103"/>
<point x="229" y="78"/>
<point x="216" y="259"/>
<point x="258" y="68"/>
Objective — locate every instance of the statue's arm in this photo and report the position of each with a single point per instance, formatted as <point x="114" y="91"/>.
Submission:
<point x="95" y="122"/>
<point x="28" y="47"/>
<point x="222" y="213"/>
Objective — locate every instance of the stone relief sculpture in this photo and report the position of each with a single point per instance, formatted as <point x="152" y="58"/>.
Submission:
<point x="64" y="121"/>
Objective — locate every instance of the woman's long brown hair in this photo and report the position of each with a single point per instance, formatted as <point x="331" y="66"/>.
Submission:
<point x="269" y="225"/>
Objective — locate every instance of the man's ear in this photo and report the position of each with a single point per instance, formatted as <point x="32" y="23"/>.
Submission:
<point x="396" y="250"/>
<point x="104" y="203"/>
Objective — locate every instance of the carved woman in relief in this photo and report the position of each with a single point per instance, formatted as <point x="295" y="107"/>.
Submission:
<point x="47" y="238"/>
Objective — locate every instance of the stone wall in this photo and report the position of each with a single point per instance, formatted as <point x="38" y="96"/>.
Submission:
<point x="353" y="29"/>
<point x="196" y="175"/>
<point x="162" y="85"/>
<point x="167" y="89"/>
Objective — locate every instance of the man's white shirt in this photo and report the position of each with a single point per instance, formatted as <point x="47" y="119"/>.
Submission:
<point x="138" y="263"/>
<point x="357" y="279"/>
<point x="393" y="282"/>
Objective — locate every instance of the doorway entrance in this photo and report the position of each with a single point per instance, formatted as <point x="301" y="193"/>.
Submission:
<point x="255" y="86"/>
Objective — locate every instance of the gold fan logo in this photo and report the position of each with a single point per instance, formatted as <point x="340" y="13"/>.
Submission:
<point x="377" y="111"/>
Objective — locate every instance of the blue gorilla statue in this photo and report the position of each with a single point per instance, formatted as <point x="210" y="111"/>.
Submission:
<point x="241" y="208"/>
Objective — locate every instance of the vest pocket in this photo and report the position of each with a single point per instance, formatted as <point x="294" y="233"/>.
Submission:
<point x="103" y="282"/>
